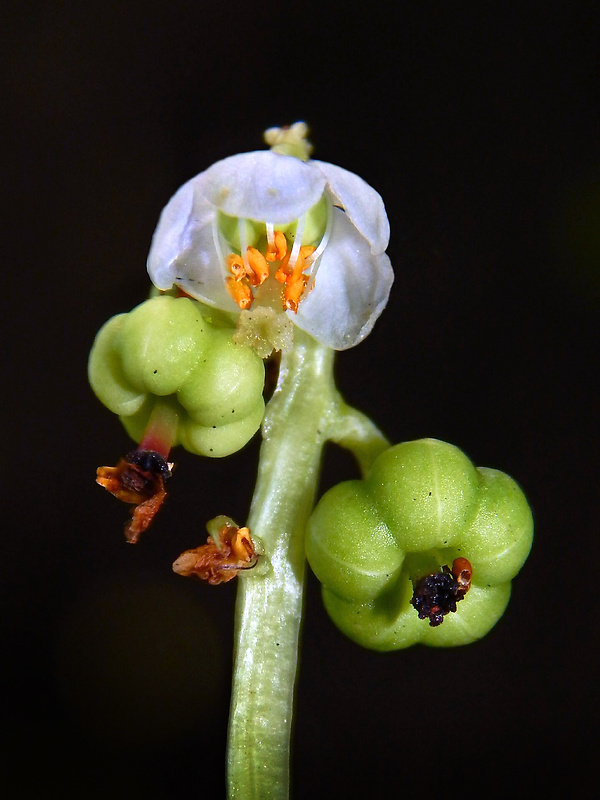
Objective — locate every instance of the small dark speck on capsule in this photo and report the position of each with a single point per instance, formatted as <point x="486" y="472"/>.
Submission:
<point x="155" y="371"/>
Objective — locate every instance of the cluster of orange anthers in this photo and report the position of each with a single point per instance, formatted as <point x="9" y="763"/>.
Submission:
<point x="253" y="269"/>
<point x="219" y="561"/>
<point x="138" y="479"/>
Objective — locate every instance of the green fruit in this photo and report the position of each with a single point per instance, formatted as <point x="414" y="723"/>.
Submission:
<point x="165" y="348"/>
<point x="422" y="506"/>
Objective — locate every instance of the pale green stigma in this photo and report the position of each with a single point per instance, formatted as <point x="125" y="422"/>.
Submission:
<point x="290" y="140"/>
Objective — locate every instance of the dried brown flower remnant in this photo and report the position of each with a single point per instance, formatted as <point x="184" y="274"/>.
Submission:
<point x="463" y="572"/>
<point x="437" y="594"/>
<point x="228" y="550"/>
<point x="138" y="479"/>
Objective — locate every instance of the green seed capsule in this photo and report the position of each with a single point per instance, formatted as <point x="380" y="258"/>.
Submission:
<point x="165" y="348"/>
<point x="422" y="507"/>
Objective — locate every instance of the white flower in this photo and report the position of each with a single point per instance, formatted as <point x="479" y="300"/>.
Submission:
<point x="334" y="285"/>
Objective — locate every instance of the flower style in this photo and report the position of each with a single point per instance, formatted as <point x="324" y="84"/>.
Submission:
<point x="272" y="230"/>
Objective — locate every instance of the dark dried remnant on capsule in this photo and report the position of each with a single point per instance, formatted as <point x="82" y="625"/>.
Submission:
<point x="149" y="461"/>
<point x="437" y="594"/>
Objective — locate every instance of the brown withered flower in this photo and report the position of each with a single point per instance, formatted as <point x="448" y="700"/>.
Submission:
<point x="228" y="550"/>
<point x="138" y="479"/>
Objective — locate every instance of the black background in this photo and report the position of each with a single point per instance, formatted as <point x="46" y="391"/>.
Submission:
<point x="479" y="125"/>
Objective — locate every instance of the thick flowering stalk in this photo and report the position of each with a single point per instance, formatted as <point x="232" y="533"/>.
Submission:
<point x="305" y="411"/>
<point x="269" y="606"/>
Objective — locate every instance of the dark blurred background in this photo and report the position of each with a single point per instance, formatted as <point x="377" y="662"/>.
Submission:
<point x="479" y="124"/>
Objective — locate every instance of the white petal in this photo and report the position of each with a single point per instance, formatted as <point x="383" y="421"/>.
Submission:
<point x="183" y="250"/>
<point x="362" y="203"/>
<point x="351" y="289"/>
<point x="264" y="186"/>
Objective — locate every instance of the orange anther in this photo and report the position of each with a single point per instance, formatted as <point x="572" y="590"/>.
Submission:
<point x="241" y="293"/>
<point x="276" y="249"/>
<point x="236" y="266"/>
<point x="259" y="266"/>
<point x="298" y="268"/>
<point x="241" y="545"/>
<point x="284" y="270"/>
<point x="307" y="250"/>
<point x="293" y="292"/>
<point x="463" y="572"/>
<point x="301" y="264"/>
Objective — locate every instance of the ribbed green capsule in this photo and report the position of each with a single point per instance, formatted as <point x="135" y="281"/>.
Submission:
<point x="423" y="505"/>
<point x="165" y="349"/>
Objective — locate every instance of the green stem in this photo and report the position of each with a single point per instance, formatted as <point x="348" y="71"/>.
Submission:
<point x="305" y="411"/>
<point x="357" y="433"/>
<point x="297" y="423"/>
